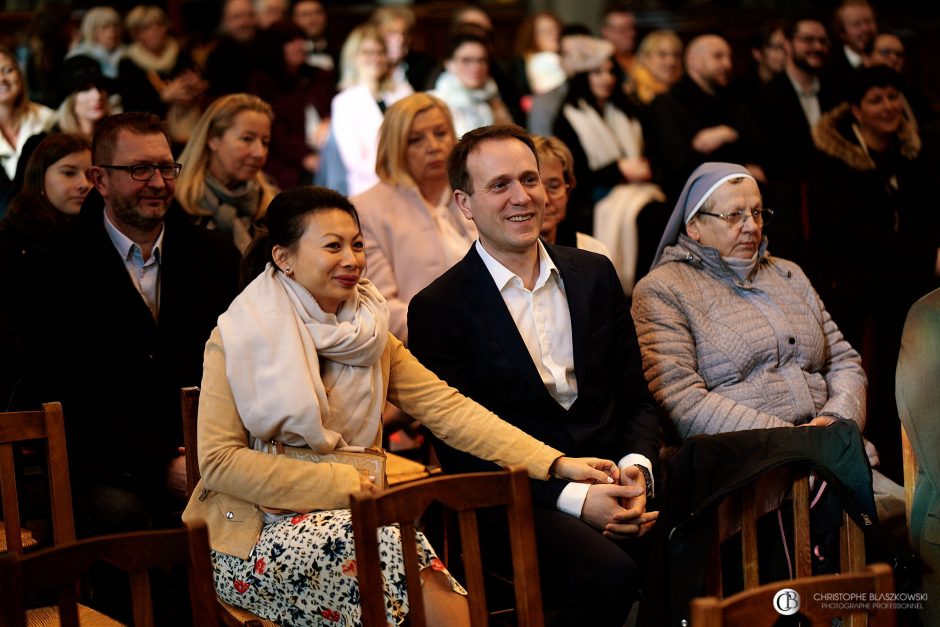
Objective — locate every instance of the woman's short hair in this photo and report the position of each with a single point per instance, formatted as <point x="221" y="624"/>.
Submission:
<point x="349" y="75"/>
<point x="142" y="16"/>
<point x="21" y="102"/>
<point x="868" y="78"/>
<point x="391" y="162"/>
<point x="547" y="148"/>
<point x="651" y="41"/>
<point x="95" y="18"/>
<point x="32" y="196"/>
<point x="285" y="223"/>
<point x="218" y="118"/>
<point x="468" y="35"/>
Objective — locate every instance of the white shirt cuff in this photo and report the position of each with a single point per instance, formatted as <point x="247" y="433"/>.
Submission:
<point x="571" y="499"/>
<point x="642" y="460"/>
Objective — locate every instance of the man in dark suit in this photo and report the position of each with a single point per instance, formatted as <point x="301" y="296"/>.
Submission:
<point x="788" y="107"/>
<point x="542" y="336"/>
<point x="145" y="288"/>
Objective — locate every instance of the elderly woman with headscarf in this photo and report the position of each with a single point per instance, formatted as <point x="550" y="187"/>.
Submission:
<point x="733" y="338"/>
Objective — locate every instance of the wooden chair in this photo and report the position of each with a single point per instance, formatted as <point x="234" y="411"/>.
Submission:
<point x="740" y="512"/>
<point x="756" y="607"/>
<point x="47" y="426"/>
<point x="59" y="569"/>
<point x="189" y="399"/>
<point x="910" y="465"/>
<point x="463" y="494"/>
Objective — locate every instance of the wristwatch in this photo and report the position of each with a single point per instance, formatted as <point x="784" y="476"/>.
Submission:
<point x="649" y="480"/>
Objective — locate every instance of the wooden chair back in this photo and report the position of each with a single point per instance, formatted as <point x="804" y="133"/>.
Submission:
<point x="756" y="606"/>
<point x="741" y="510"/>
<point x="463" y="494"/>
<point x="46" y="426"/>
<point x="59" y="569"/>
<point x="911" y="468"/>
<point x="189" y="402"/>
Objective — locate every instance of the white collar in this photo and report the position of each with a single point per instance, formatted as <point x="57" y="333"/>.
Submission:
<point x="502" y="275"/>
<point x="126" y="246"/>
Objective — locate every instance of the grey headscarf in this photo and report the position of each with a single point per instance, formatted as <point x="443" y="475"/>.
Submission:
<point x="706" y="178"/>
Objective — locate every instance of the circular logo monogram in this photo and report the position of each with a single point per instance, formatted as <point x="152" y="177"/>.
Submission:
<point x="787" y="602"/>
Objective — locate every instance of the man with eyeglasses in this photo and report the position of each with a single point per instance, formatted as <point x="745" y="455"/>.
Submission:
<point x="788" y="107"/>
<point x="143" y="292"/>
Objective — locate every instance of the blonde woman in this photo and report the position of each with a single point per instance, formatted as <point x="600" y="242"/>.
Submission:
<point x="101" y="39"/>
<point x="222" y="185"/>
<point x="20" y="119"/>
<point x="159" y="75"/>
<point x="357" y="110"/>
<point x="412" y="229"/>
<point x="658" y="65"/>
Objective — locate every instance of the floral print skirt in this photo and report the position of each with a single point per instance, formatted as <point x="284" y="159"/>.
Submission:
<point x="302" y="571"/>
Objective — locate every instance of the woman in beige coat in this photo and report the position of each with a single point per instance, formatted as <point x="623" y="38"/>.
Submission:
<point x="303" y="361"/>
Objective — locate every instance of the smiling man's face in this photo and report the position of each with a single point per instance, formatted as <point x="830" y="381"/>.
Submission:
<point x="508" y="201"/>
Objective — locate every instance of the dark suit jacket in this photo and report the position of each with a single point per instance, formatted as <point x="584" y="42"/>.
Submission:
<point x="460" y="328"/>
<point x="123" y="370"/>
<point x="789" y="148"/>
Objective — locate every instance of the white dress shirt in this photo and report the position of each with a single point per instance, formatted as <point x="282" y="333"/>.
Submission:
<point x="145" y="274"/>
<point x="544" y="322"/>
<point x="809" y="101"/>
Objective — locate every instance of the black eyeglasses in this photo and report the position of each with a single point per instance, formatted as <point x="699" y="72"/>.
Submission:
<point x="737" y="218"/>
<point x="144" y="171"/>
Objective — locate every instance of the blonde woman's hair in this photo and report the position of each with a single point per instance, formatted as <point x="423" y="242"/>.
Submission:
<point x="95" y="18"/>
<point x="21" y="104"/>
<point x="654" y="39"/>
<point x="391" y="162"/>
<point x="547" y="148"/>
<point x="144" y="15"/>
<point x="349" y="76"/>
<point x="66" y="119"/>
<point x="218" y="118"/>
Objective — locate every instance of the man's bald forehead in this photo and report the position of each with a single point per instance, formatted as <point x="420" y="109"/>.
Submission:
<point x="703" y="45"/>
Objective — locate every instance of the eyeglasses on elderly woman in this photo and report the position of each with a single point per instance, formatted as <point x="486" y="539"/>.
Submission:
<point x="736" y="219"/>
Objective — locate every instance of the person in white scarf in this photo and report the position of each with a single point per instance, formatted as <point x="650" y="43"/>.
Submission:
<point x="602" y="130"/>
<point x="308" y="362"/>
<point x="467" y="87"/>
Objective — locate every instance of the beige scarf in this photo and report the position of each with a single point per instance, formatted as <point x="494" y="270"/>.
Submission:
<point x="302" y="376"/>
<point x="159" y="63"/>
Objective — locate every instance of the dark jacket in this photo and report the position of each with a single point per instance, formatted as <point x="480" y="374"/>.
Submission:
<point x="674" y="119"/>
<point x="30" y="271"/>
<point x="460" y="328"/>
<point x="710" y="467"/>
<point x="125" y="369"/>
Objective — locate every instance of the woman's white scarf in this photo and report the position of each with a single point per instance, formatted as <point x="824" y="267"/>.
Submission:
<point x="159" y="63"/>
<point x="302" y="376"/>
<point x="605" y="139"/>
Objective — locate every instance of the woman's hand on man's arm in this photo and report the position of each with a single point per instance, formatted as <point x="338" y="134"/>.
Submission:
<point x="585" y="469"/>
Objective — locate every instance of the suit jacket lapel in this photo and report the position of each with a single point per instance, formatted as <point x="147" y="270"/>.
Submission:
<point x="486" y="301"/>
<point x="577" y="295"/>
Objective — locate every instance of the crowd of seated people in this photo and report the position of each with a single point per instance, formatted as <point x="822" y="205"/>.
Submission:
<point x="137" y="168"/>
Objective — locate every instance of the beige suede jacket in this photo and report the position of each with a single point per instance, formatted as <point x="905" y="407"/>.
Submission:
<point x="237" y="480"/>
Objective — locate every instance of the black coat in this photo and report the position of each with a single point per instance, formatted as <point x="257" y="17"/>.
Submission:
<point x="124" y="369"/>
<point x="29" y="272"/>
<point x="674" y="119"/>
